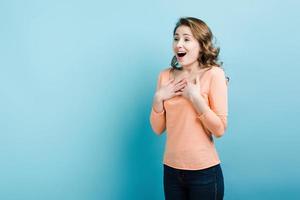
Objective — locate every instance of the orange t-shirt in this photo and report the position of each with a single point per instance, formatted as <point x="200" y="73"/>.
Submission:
<point x="189" y="143"/>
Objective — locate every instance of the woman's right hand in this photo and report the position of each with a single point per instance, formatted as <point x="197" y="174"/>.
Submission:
<point x="171" y="89"/>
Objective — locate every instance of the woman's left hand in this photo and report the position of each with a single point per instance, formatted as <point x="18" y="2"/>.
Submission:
<point x="192" y="90"/>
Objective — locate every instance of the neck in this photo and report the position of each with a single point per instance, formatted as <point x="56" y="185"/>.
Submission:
<point x="192" y="68"/>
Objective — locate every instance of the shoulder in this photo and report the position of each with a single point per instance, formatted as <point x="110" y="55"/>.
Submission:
<point x="165" y="72"/>
<point x="217" y="72"/>
<point x="218" y="77"/>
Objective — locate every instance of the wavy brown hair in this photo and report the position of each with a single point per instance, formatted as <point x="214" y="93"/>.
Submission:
<point x="208" y="56"/>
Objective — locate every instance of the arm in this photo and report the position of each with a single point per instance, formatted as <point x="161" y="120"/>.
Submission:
<point x="157" y="116"/>
<point x="214" y="117"/>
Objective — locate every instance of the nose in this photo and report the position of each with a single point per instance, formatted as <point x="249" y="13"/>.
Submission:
<point x="179" y="44"/>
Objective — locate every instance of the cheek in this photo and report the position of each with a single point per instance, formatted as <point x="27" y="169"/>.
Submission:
<point x="195" y="52"/>
<point x="174" y="47"/>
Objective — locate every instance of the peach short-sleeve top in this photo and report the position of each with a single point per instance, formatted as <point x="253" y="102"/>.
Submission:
<point x="190" y="142"/>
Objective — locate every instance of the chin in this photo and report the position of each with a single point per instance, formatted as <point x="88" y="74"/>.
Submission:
<point x="185" y="64"/>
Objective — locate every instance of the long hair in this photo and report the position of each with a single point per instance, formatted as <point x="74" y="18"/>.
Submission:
<point x="208" y="56"/>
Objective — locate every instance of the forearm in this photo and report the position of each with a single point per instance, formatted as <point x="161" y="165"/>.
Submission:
<point x="157" y="117"/>
<point x="199" y="103"/>
<point x="214" y="123"/>
<point x="158" y="103"/>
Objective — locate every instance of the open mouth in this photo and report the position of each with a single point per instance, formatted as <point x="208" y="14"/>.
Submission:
<point x="181" y="54"/>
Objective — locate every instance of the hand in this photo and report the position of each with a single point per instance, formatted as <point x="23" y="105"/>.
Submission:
<point x="192" y="91"/>
<point x="171" y="89"/>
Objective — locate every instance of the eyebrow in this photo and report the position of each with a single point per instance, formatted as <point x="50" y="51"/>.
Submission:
<point x="183" y="34"/>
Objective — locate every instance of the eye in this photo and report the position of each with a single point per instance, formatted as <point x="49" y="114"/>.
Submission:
<point x="175" y="39"/>
<point x="186" y="39"/>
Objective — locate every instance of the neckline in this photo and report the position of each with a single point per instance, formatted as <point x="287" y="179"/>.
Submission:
<point x="204" y="72"/>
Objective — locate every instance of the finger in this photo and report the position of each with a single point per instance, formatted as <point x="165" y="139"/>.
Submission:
<point x="179" y="87"/>
<point x="178" y="93"/>
<point x="182" y="88"/>
<point x="179" y="81"/>
<point x="171" y="81"/>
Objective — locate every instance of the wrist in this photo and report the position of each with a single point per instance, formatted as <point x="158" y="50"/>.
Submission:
<point x="158" y="97"/>
<point x="195" y="97"/>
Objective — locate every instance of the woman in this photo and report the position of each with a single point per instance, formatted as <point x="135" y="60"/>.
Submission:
<point x="190" y="103"/>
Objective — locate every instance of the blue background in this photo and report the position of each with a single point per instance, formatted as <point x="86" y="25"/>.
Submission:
<point x="76" y="86"/>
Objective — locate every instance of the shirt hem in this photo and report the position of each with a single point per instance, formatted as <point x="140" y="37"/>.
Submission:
<point x="192" y="168"/>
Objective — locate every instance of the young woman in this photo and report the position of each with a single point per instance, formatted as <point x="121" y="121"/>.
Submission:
<point x="190" y="103"/>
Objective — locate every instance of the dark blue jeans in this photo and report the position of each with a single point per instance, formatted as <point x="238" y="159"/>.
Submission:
<point x="205" y="184"/>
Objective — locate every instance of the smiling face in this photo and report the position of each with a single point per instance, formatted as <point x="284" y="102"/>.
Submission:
<point x="185" y="46"/>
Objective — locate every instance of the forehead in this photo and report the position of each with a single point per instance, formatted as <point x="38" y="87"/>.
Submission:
<point x="183" y="30"/>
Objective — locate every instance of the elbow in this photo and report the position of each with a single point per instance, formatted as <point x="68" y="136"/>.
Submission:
<point x="220" y="130"/>
<point x="158" y="131"/>
<point x="218" y="134"/>
<point x="216" y="124"/>
<point x="158" y="128"/>
<point x="158" y="122"/>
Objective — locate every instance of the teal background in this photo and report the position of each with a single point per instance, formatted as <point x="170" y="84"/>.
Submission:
<point x="76" y="85"/>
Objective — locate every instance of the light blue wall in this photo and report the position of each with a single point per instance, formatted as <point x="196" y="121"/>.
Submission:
<point x="76" y="85"/>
